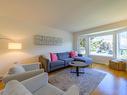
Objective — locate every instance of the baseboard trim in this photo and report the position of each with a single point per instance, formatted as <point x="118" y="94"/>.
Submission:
<point x="101" y="63"/>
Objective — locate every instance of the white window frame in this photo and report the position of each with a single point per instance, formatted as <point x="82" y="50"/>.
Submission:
<point x="117" y="39"/>
<point x="87" y="43"/>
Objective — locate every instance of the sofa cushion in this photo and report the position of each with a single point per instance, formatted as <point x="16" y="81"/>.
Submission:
<point x="35" y="83"/>
<point x="57" y="67"/>
<point x="63" y="55"/>
<point x="85" y="59"/>
<point x="67" y="61"/>
<point x="48" y="90"/>
<point x="56" y="63"/>
<point x="17" y="69"/>
<point x="15" y="88"/>
<point x="53" y="57"/>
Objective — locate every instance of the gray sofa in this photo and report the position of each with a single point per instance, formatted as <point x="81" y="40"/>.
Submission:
<point x="63" y="60"/>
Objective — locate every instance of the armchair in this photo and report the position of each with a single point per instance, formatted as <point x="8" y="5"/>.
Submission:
<point x="38" y="85"/>
<point x="23" y="72"/>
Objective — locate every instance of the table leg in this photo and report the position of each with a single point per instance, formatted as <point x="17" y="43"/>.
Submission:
<point x="77" y="71"/>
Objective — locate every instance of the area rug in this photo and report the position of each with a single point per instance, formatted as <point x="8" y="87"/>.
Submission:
<point x="86" y="82"/>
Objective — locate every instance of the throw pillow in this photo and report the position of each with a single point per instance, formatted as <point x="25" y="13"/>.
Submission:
<point x="73" y="54"/>
<point x="53" y="57"/>
<point x="74" y="90"/>
<point x="17" y="69"/>
<point x="15" y="88"/>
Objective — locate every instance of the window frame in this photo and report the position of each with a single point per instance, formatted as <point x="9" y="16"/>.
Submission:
<point x="87" y="42"/>
<point x="114" y="32"/>
<point x="118" y="45"/>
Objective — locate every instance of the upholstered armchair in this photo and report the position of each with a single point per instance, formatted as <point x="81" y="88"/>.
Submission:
<point x="22" y="72"/>
<point x="37" y="85"/>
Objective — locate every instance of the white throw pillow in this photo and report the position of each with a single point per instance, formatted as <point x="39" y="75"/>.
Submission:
<point x="74" y="90"/>
<point x="15" y="88"/>
<point x="17" y="69"/>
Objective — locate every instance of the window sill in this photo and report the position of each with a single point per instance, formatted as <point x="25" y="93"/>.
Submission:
<point x="110" y="56"/>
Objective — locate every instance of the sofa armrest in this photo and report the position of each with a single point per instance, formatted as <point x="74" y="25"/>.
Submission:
<point x="33" y="66"/>
<point x="22" y="76"/>
<point x="36" y="82"/>
<point x="45" y="63"/>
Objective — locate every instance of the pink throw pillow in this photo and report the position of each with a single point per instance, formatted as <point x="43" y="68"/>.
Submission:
<point x="53" y="57"/>
<point x="73" y="54"/>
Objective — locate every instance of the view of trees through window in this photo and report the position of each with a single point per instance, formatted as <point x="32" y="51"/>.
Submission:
<point x="122" y="45"/>
<point x="83" y="46"/>
<point x="101" y="45"/>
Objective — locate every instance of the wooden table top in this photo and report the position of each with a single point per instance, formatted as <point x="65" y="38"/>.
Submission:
<point x="78" y="64"/>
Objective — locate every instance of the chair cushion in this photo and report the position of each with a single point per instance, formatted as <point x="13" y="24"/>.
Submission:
<point x="48" y="90"/>
<point x="74" y="90"/>
<point x="53" y="57"/>
<point x="85" y="59"/>
<point x="63" y="55"/>
<point x="36" y="82"/>
<point x="17" y="69"/>
<point x="15" y="88"/>
<point x="57" y="63"/>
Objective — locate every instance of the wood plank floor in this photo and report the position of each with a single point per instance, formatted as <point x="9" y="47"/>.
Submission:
<point x="115" y="82"/>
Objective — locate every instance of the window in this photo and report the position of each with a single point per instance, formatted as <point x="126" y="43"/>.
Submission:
<point x="122" y="45"/>
<point x="101" y="45"/>
<point x="82" y="47"/>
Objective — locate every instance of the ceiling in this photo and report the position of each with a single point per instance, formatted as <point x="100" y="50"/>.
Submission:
<point x="68" y="15"/>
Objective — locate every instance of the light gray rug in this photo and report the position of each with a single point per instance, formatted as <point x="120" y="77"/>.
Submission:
<point x="86" y="82"/>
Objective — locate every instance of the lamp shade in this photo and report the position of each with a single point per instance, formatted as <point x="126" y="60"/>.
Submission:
<point x="14" y="46"/>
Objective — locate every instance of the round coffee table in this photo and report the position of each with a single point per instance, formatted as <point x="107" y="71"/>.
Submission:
<point x="77" y="65"/>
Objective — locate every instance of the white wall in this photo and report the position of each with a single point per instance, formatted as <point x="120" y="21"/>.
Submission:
<point x="23" y="32"/>
<point x="114" y="27"/>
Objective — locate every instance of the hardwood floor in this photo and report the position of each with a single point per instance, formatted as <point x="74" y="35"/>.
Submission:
<point x="115" y="82"/>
